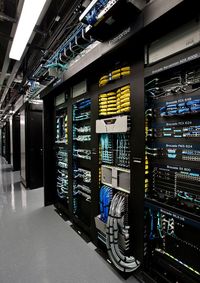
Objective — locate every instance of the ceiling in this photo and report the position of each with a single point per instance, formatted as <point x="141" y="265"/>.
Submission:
<point x="59" y="18"/>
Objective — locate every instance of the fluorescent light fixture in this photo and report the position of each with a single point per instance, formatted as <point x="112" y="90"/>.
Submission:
<point x="30" y="13"/>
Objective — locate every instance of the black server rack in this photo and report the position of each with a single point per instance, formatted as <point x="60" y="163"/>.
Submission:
<point x="15" y="162"/>
<point x="171" y="206"/>
<point x="132" y="143"/>
<point x="73" y="155"/>
<point x="3" y="141"/>
<point x="31" y="134"/>
<point x="6" y="141"/>
<point x="172" y="196"/>
<point x="79" y="169"/>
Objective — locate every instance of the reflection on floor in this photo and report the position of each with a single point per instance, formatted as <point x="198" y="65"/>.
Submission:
<point x="37" y="246"/>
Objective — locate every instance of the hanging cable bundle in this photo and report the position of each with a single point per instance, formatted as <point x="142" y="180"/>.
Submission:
<point x="116" y="225"/>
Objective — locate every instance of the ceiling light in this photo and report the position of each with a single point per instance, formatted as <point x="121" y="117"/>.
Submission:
<point x="30" y="13"/>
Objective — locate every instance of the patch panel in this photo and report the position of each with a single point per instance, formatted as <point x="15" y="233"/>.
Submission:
<point x="178" y="109"/>
<point x="173" y="153"/>
<point x="174" y="132"/>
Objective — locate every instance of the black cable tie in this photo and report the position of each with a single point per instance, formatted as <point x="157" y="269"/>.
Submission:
<point x="116" y="217"/>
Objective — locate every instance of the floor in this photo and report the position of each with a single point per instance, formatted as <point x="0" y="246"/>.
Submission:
<point x="36" y="245"/>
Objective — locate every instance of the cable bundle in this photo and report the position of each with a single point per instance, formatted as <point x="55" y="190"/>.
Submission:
<point x="105" y="199"/>
<point x="107" y="103"/>
<point x="114" y="75"/>
<point x="113" y="103"/>
<point x="123" y="99"/>
<point x="116" y="225"/>
<point x="62" y="185"/>
<point x="84" y="104"/>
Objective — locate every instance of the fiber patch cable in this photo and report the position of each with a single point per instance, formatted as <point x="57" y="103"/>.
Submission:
<point x="62" y="186"/>
<point x="84" y="129"/>
<point x="61" y="157"/>
<point x="82" y="116"/>
<point x="83" y="153"/>
<point x="83" y="138"/>
<point x="113" y="103"/>
<point x="114" y="75"/>
<point x="83" y="174"/>
<point x="82" y="190"/>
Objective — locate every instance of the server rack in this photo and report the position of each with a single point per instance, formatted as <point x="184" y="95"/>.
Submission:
<point x="79" y="210"/>
<point x="3" y="148"/>
<point x="6" y="141"/>
<point x="31" y="145"/>
<point x="172" y="194"/>
<point x="171" y="217"/>
<point x="15" y="142"/>
<point x="141" y="166"/>
<point x="82" y="203"/>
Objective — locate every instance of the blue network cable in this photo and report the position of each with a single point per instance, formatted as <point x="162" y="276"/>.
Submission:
<point x="84" y="104"/>
<point x="105" y="199"/>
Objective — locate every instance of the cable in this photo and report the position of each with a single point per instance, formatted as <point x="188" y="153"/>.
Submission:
<point x="115" y="225"/>
<point x="105" y="199"/>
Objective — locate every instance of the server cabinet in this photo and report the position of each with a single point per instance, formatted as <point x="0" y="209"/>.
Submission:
<point x="15" y="142"/>
<point x="76" y="159"/>
<point x="171" y="215"/>
<point x="0" y="141"/>
<point x="140" y="157"/>
<point x="31" y="145"/>
<point x="6" y="141"/>
<point x="63" y="158"/>
<point x="3" y="141"/>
